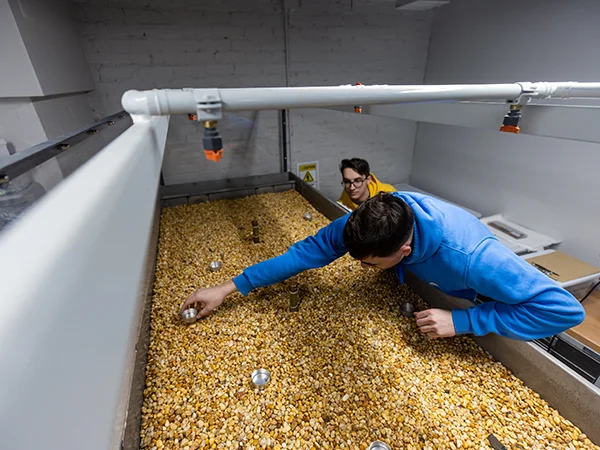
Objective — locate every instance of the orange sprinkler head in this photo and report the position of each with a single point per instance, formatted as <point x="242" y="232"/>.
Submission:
<point x="213" y="143"/>
<point x="510" y="129"/>
<point x="192" y="117"/>
<point x="510" y="124"/>
<point x="214" y="155"/>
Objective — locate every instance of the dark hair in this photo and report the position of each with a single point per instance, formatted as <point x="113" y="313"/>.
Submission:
<point x="358" y="165"/>
<point x="378" y="227"/>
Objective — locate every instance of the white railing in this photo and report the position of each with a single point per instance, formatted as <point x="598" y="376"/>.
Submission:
<point x="70" y="277"/>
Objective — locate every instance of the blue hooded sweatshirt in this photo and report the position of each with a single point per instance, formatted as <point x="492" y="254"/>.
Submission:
<point x="457" y="254"/>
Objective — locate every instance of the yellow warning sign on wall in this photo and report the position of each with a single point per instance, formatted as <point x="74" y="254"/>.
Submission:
<point x="309" y="173"/>
<point x="308" y="178"/>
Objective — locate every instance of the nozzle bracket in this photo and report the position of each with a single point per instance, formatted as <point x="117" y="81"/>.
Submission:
<point x="208" y="104"/>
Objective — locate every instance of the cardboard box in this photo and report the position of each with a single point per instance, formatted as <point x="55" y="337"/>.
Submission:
<point x="572" y="274"/>
<point x="562" y="267"/>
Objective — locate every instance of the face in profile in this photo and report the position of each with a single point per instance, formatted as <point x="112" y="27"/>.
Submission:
<point x="385" y="262"/>
<point x="377" y="262"/>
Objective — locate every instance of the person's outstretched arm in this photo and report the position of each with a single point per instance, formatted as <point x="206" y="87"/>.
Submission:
<point x="528" y="304"/>
<point x="314" y="251"/>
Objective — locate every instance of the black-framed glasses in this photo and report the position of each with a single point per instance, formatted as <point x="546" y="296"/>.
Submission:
<point x="357" y="183"/>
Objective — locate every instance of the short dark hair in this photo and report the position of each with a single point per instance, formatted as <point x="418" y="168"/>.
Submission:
<point x="358" y="165"/>
<point x="378" y="227"/>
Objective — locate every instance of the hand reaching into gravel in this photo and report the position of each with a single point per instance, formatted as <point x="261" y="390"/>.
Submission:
<point x="436" y="323"/>
<point x="208" y="299"/>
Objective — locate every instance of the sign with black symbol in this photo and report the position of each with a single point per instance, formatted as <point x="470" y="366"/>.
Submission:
<point x="309" y="173"/>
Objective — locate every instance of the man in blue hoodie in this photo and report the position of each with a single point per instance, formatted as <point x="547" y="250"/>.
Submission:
<point x="443" y="245"/>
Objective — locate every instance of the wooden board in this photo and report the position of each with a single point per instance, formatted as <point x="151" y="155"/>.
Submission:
<point x="588" y="333"/>
<point x="562" y="267"/>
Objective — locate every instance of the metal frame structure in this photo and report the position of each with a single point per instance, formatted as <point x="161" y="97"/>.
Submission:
<point x="14" y="165"/>
<point x="73" y="284"/>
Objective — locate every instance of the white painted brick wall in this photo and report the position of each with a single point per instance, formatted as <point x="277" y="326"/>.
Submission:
<point x="180" y="44"/>
<point x="233" y="43"/>
<point x="549" y="185"/>
<point x="365" y="46"/>
<point x="330" y="136"/>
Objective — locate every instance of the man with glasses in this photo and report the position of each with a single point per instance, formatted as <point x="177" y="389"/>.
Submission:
<point x="359" y="183"/>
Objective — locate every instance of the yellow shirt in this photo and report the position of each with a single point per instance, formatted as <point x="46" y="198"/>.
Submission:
<point x="375" y="186"/>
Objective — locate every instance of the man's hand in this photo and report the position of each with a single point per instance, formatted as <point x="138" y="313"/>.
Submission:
<point x="209" y="299"/>
<point x="436" y="323"/>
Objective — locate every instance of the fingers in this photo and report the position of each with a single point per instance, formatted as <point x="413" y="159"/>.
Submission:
<point x="192" y="301"/>
<point x="421" y="314"/>
<point x="428" y="329"/>
<point x="431" y="323"/>
<point x="187" y="303"/>
<point x="425" y="317"/>
<point x="205" y="311"/>
<point x="425" y="321"/>
<point x="424" y="314"/>
<point x="184" y="305"/>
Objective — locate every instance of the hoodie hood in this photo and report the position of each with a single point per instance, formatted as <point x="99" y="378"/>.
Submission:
<point x="428" y="234"/>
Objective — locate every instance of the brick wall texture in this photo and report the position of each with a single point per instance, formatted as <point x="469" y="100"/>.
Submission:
<point x="235" y="43"/>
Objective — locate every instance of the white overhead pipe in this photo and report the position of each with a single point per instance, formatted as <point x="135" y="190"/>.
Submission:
<point x="566" y="89"/>
<point x="209" y="103"/>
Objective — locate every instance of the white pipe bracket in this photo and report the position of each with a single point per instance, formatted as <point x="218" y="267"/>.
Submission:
<point x="208" y="104"/>
<point x="528" y="91"/>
